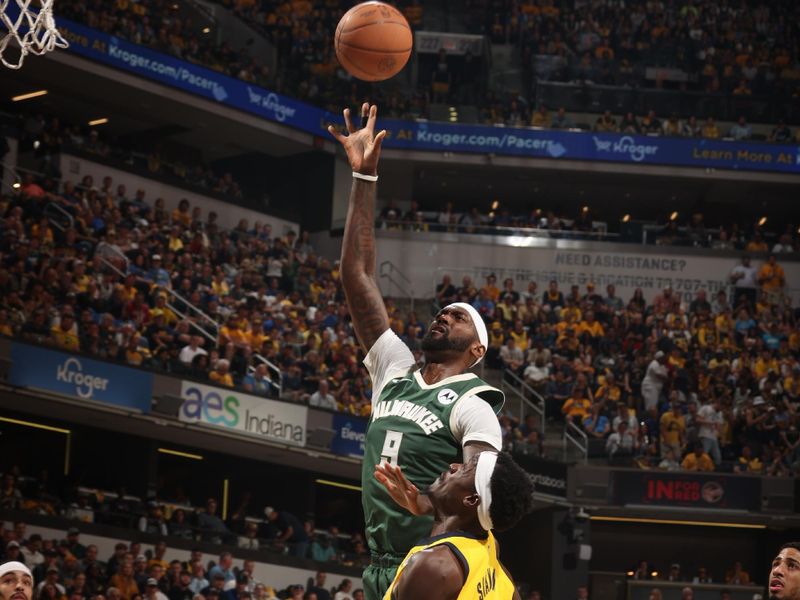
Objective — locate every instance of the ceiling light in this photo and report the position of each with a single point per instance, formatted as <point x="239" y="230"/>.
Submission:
<point x="626" y="218"/>
<point x="16" y="185"/>
<point x="674" y="215"/>
<point x="585" y="208"/>
<point x="495" y="204"/>
<point x="762" y="221"/>
<point x="206" y="29"/>
<point x="28" y="96"/>
<point x="95" y="122"/>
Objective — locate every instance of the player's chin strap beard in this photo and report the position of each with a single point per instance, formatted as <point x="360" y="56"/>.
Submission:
<point x="483" y="479"/>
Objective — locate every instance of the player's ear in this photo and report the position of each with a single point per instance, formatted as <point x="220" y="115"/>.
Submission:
<point x="477" y="350"/>
<point x="472" y="500"/>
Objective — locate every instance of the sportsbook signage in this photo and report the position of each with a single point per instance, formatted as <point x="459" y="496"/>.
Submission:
<point x="228" y="409"/>
<point x="439" y="137"/>
<point x="733" y="492"/>
<point x="80" y="377"/>
<point x="549" y="476"/>
<point x="349" y="435"/>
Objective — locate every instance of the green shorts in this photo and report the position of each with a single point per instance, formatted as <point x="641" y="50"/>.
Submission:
<point x="378" y="576"/>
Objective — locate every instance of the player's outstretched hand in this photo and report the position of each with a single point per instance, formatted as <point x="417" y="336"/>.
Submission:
<point x="363" y="146"/>
<point x="402" y="490"/>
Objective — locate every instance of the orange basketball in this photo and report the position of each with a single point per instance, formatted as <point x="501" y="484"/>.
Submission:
<point x="373" y="41"/>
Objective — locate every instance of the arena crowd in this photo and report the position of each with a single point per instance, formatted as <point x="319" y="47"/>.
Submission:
<point x="742" y="51"/>
<point x="167" y="289"/>
<point x="67" y="569"/>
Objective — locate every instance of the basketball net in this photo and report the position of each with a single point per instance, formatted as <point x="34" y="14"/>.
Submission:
<point x="32" y="31"/>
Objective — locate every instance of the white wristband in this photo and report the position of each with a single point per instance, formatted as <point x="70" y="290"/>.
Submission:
<point x="372" y="178"/>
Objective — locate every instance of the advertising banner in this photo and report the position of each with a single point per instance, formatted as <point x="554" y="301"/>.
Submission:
<point x="627" y="268"/>
<point x="700" y="490"/>
<point x="230" y="409"/>
<point x="438" y="137"/>
<point x="80" y="377"/>
<point x="350" y="433"/>
<point x="549" y="476"/>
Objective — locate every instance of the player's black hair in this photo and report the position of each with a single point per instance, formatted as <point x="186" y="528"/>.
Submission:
<point x="793" y="545"/>
<point x="512" y="493"/>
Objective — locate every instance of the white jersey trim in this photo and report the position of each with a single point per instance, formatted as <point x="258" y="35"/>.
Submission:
<point x="389" y="357"/>
<point x="446" y="381"/>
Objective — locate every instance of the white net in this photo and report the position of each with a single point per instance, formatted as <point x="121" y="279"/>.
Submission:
<point x="29" y="29"/>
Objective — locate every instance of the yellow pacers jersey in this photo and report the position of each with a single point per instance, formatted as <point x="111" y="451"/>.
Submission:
<point x="485" y="577"/>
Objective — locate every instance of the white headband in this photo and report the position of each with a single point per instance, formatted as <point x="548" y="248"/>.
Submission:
<point x="480" y="326"/>
<point x="483" y="478"/>
<point x="13" y="565"/>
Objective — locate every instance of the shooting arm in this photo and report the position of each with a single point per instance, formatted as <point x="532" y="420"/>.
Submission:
<point x="364" y="300"/>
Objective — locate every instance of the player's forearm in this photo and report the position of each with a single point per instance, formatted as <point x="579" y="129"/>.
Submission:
<point x="358" y="245"/>
<point x="364" y="300"/>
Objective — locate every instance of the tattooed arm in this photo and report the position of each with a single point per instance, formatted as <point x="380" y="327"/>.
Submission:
<point x="364" y="300"/>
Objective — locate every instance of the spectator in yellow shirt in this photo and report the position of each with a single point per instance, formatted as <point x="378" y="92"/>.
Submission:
<point x="219" y="286"/>
<point x="541" y="117"/>
<point x="771" y="275"/>
<point x="748" y="463"/>
<point x="757" y="244"/>
<point x="567" y="323"/>
<point x="520" y="336"/>
<point x="577" y="407"/>
<point x="571" y="313"/>
<point x="170" y="318"/>
<point x="507" y="309"/>
<point x="591" y="327"/>
<point x="710" y="129"/>
<point x="764" y="364"/>
<point x="673" y="430"/>
<point x="698" y="460"/>
<point x="80" y="279"/>
<point x="608" y="392"/>
<point x="491" y="288"/>
<point x="65" y="334"/>
<point x="220" y="374"/>
<point x="175" y="242"/>
<point x="232" y="338"/>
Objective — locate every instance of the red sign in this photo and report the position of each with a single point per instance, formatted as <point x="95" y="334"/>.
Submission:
<point x="677" y="489"/>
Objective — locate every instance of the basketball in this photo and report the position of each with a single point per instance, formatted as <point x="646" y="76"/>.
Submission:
<point x="373" y="41"/>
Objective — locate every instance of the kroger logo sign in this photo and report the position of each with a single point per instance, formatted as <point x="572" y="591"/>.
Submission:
<point x="81" y="377"/>
<point x="272" y="103"/>
<point x="625" y="145"/>
<point x="71" y="373"/>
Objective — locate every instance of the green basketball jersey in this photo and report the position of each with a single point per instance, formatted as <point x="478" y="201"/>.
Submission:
<point x="410" y="427"/>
